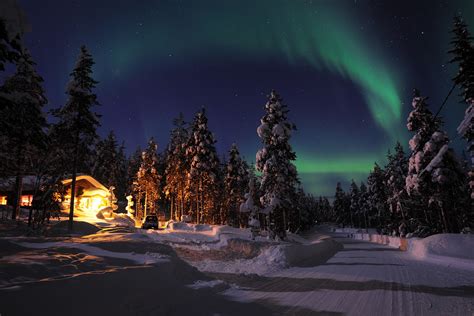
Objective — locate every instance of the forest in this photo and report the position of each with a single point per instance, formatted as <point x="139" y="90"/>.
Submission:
<point x="425" y="191"/>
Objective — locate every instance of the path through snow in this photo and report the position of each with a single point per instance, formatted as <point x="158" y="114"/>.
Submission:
<point x="362" y="279"/>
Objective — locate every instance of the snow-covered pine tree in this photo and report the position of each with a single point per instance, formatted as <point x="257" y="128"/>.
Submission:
<point x="377" y="198"/>
<point x="422" y="122"/>
<point x="324" y="212"/>
<point x="22" y="120"/>
<point x="251" y="207"/>
<point x="77" y="123"/>
<point x="133" y="165"/>
<point x="122" y="173"/>
<point x="235" y="183"/>
<point x="463" y="54"/>
<point x="340" y="207"/>
<point x="147" y="181"/>
<point x="110" y="165"/>
<point x="10" y="47"/>
<point x="274" y="160"/>
<point x="395" y="174"/>
<point x="354" y="196"/>
<point x="364" y="204"/>
<point x="202" y="184"/>
<point x="106" y="167"/>
<point x="435" y="177"/>
<point x="177" y="167"/>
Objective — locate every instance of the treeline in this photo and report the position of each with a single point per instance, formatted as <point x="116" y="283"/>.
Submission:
<point x="429" y="190"/>
<point x="190" y="180"/>
<point x="186" y="179"/>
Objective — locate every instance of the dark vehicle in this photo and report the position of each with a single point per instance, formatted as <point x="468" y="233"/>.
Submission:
<point x="150" y="222"/>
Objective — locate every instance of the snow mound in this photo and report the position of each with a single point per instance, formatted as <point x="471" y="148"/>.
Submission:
<point x="444" y="245"/>
<point x="121" y="220"/>
<point x="276" y="257"/>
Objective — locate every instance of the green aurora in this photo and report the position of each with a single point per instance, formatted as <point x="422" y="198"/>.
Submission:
<point x="283" y="30"/>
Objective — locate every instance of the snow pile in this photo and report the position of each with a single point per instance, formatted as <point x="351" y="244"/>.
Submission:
<point x="270" y="259"/>
<point x="121" y="220"/>
<point x="276" y="257"/>
<point x="205" y="236"/>
<point x="441" y="247"/>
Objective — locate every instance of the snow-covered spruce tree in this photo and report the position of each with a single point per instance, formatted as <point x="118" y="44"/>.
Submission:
<point x="122" y="173"/>
<point x="22" y="120"/>
<point x="251" y="207"/>
<point x="147" y="181"/>
<point x="463" y="54"/>
<point x="435" y="177"/>
<point x="133" y="165"/>
<point x="235" y="183"/>
<point x="308" y="210"/>
<point x="177" y="167"/>
<point x="110" y="165"/>
<point x="377" y="198"/>
<point x="274" y="160"/>
<point x="395" y="174"/>
<point x="77" y="123"/>
<point x="10" y="47"/>
<point x="422" y="122"/>
<point x="106" y="167"/>
<point x="324" y="213"/>
<point x="202" y="183"/>
<point x="354" y="196"/>
<point x="340" y="206"/>
<point x="364" y="204"/>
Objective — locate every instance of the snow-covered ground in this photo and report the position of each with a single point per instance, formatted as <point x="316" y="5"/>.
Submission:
<point x="363" y="279"/>
<point x="219" y="269"/>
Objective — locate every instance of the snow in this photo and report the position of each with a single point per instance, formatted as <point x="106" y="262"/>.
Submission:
<point x="146" y="259"/>
<point x="363" y="279"/>
<point x="447" y="249"/>
<point x="437" y="159"/>
<point x="199" y="284"/>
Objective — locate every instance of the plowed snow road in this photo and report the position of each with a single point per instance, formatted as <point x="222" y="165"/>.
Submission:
<point x="361" y="279"/>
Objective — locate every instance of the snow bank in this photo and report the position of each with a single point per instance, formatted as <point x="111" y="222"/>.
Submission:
<point x="396" y="242"/>
<point x="270" y="259"/>
<point x="350" y="230"/>
<point x="276" y="257"/>
<point x="121" y="220"/>
<point x="447" y="249"/>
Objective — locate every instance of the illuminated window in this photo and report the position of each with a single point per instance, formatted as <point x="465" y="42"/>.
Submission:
<point x="26" y="200"/>
<point x="3" y="200"/>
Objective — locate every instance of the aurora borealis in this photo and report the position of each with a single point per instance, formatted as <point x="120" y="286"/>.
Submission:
<point x="345" y="68"/>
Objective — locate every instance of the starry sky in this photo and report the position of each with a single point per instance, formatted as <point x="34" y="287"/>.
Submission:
<point x="346" y="70"/>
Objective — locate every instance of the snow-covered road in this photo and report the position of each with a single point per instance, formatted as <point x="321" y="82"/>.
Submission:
<point x="361" y="279"/>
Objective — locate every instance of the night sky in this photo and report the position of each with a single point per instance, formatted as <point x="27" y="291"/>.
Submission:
<point x="346" y="69"/>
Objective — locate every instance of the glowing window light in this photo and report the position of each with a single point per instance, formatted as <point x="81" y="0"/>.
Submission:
<point x="26" y="200"/>
<point x="3" y="200"/>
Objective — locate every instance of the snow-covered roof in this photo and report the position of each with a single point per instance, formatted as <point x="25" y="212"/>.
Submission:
<point x="89" y="179"/>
